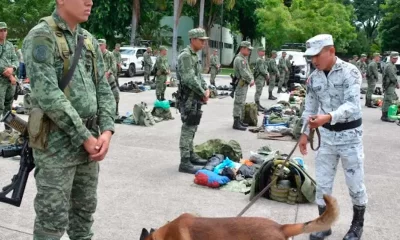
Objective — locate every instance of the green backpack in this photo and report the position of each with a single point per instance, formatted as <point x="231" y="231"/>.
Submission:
<point x="250" y="114"/>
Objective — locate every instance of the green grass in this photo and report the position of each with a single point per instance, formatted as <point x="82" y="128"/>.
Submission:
<point x="226" y="71"/>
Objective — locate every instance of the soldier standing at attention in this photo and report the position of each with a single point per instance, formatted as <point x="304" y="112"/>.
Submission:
<point x="81" y="121"/>
<point x="8" y="67"/>
<point x="289" y="67"/>
<point x="195" y="92"/>
<point x="333" y="104"/>
<point x="362" y="65"/>
<point x="372" y="77"/>
<point x="354" y="60"/>
<point x="214" y="66"/>
<point x="261" y="75"/>
<point x="118" y="59"/>
<point x="110" y="67"/>
<point x="389" y="83"/>
<point x="162" y="73"/>
<point x="148" y="64"/>
<point x="245" y="78"/>
<point x="273" y="73"/>
<point x="283" y="70"/>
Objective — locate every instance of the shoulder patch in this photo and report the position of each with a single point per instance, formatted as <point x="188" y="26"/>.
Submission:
<point x="41" y="53"/>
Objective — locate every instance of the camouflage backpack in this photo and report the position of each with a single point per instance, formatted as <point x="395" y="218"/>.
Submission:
<point x="250" y="114"/>
<point x="142" y="115"/>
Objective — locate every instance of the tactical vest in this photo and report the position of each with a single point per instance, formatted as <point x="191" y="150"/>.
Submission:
<point x="63" y="47"/>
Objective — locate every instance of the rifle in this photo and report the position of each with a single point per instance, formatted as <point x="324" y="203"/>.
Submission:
<point x="234" y="84"/>
<point x="179" y="93"/>
<point x="10" y="151"/>
<point x="18" y="182"/>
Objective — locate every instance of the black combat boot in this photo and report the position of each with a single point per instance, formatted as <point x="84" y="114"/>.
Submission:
<point x="242" y="123"/>
<point x="271" y="97"/>
<point x="385" y="117"/>
<point x="320" y="235"/>
<point x="259" y="107"/>
<point x="196" y="159"/>
<point x="187" y="167"/>
<point x="237" y="125"/>
<point x="116" y="109"/>
<point x="357" y="224"/>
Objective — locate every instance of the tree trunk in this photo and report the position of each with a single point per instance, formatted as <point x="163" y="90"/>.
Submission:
<point x="201" y="24"/>
<point x="175" y="33"/>
<point x="135" y="18"/>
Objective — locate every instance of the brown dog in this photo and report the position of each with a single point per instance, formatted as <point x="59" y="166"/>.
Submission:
<point x="189" y="227"/>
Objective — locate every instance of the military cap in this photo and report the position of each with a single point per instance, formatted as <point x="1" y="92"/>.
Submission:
<point x="273" y="51"/>
<point x="3" y="25"/>
<point x="117" y="45"/>
<point x="102" y="41"/>
<point x="198" y="33"/>
<point x="149" y="48"/>
<point x="317" y="43"/>
<point x="261" y="49"/>
<point x="377" y="55"/>
<point x="394" y="54"/>
<point x="163" y="48"/>
<point x="354" y="56"/>
<point x="246" y="44"/>
<point x="363" y="55"/>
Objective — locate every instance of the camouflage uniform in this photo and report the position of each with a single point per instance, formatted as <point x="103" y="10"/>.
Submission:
<point x="289" y="67"/>
<point x="118" y="59"/>
<point x="337" y="94"/>
<point x="362" y="66"/>
<point x="260" y="75"/>
<point x="148" y="64"/>
<point x="389" y="83"/>
<point x="66" y="179"/>
<point x="194" y="88"/>
<point x="110" y="67"/>
<point x="245" y="77"/>
<point x="283" y="72"/>
<point x="354" y="61"/>
<point x="162" y="74"/>
<point x="214" y="62"/>
<point x="372" y="78"/>
<point x="8" y="59"/>
<point x="273" y="73"/>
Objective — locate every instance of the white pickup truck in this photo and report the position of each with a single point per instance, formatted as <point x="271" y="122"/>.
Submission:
<point x="132" y="58"/>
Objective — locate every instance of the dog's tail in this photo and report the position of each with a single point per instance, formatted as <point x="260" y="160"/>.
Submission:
<point x="322" y="223"/>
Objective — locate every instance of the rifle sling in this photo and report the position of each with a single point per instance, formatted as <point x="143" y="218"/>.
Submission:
<point x="68" y="76"/>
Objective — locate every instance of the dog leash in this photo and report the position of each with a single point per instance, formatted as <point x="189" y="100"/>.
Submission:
<point x="281" y="167"/>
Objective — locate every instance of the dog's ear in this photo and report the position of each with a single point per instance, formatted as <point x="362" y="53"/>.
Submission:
<point x="144" y="234"/>
<point x="152" y="230"/>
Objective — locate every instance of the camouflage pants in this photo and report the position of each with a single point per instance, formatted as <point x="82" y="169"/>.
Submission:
<point x="66" y="199"/>
<point x="213" y="73"/>
<point x="160" y="85"/>
<point x="117" y="76"/>
<point x="260" y="83"/>
<point x="352" y="158"/>
<point x="186" y="140"/>
<point x="282" y="79"/>
<point x="272" y="80"/>
<point x="115" y="91"/>
<point x="370" y="90"/>
<point x="147" y="73"/>
<point x="6" y="96"/>
<point x="240" y="99"/>
<point x="389" y="96"/>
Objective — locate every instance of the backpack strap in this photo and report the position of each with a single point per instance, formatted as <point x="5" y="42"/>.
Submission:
<point x="89" y="46"/>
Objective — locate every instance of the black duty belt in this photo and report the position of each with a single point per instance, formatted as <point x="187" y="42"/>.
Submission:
<point x="343" y="126"/>
<point x="91" y="122"/>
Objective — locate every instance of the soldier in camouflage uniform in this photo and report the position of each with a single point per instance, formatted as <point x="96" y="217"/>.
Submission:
<point x="362" y="65"/>
<point x="335" y="109"/>
<point x="372" y="77"/>
<point x="354" y="60"/>
<point x="148" y="64"/>
<point x="283" y="71"/>
<point x="195" y="92"/>
<point x="389" y="84"/>
<point x="8" y="70"/>
<point x="260" y="75"/>
<point x="289" y="67"/>
<point x="118" y="59"/>
<point x="81" y="122"/>
<point x="245" y="78"/>
<point x="214" y="67"/>
<point x="110" y="67"/>
<point x="162" y="73"/>
<point x="273" y="74"/>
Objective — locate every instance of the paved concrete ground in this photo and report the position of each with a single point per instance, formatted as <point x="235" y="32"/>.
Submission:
<point x="141" y="187"/>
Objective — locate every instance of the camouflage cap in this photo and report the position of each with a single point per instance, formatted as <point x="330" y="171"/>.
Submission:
<point x="273" y="52"/>
<point x="377" y="55"/>
<point x="315" y="44"/>
<point x="102" y="41"/>
<point x="3" y="25"/>
<point x="163" y="48"/>
<point x="261" y="49"/>
<point x="117" y="45"/>
<point x="149" y="48"/>
<point x="198" y="33"/>
<point x="354" y="56"/>
<point x="246" y="44"/>
<point x="363" y="55"/>
<point x="394" y="54"/>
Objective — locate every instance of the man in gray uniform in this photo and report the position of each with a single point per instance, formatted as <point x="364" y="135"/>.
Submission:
<point x="333" y="104"/>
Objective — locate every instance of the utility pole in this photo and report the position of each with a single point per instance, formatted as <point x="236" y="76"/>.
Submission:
<point x="222" y="43"/>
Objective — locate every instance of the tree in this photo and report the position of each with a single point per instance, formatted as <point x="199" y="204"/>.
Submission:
<point x="389" y="28"/>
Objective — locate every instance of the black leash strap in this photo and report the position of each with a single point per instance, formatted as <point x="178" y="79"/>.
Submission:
<point x="68" y="77"/>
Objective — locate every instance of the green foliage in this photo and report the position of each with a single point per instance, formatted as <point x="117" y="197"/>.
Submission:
<point x="389" y="28"/>
<point x="369" y="15"/>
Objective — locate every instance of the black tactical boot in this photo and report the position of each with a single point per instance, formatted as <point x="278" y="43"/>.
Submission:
<point x="271" y="97"/>
<point x="385" y="117"/>
<point x="259" y="107"/>
<point x="196" y="159"/>
<point x="242" y="123"/>
<point x="357" y="224"/>
<point x="116" y="109"/>
<point x="187" y="167"/>
<point x="320" y="235"/>
<point x="237" y="125"/>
